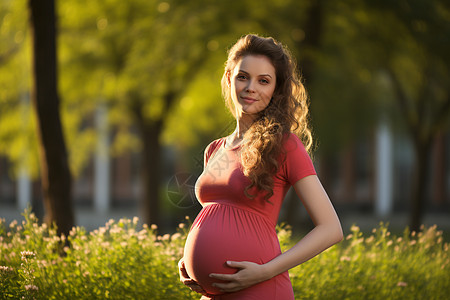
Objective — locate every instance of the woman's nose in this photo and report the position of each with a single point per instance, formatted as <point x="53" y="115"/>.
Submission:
<point x="250" y="87"/>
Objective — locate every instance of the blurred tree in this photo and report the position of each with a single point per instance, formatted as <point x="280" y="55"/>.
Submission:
<point x="359" y="60"/>
<point x="55" y="173"/>
<point x="138" y="75"/>
<point x="415" y="43"/>
<point x="157" y="73"/>
<point x="142" y="74"/>
<point x="98" y="43"/>
<point x="17" y="138"/>
<point x="321" y="35"/>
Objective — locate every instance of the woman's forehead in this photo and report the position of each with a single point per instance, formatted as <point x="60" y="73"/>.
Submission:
<point x="255" y="65"/>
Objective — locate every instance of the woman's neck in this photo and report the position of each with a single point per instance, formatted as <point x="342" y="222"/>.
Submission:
<point x="236" y="138"/>
<point x="243" y="123"/>
<point x="240" y="130"/>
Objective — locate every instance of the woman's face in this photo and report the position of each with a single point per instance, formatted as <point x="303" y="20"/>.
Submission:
<point x="252" y="83"/>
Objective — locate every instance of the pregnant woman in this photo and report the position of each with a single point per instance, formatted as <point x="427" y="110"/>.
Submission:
<point x="232" y="250"/>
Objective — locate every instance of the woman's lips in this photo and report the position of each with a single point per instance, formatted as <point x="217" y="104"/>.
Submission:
<point x="249" y="99"/>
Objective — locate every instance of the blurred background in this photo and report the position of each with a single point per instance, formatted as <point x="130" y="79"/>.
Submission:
<point x="138" y="99"/>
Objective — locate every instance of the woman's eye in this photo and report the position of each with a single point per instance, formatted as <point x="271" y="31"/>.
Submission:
<point x="264" y="81"/>
<point x="241" y="77"/>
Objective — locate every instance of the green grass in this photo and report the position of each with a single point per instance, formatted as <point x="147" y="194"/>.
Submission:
<point x="122" y="261"/>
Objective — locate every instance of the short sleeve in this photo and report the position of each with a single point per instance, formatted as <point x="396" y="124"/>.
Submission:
<point x="296" y="164"/>
<point x="210" y="150"/>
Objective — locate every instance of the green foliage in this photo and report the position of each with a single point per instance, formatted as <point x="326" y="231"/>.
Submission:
<point x="381" y="266"/>
<point x="17" y="121"/>
<point x="125" y="261"/>
<point x="203" y="108"/>
<point x="116" y="261"/>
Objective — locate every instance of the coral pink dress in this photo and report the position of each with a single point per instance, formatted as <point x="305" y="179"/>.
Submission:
<point x="234" y="227"/>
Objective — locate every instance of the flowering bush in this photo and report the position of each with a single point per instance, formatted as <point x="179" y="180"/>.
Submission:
<point x="381" y="266"/>
<point x="120" y="261"/>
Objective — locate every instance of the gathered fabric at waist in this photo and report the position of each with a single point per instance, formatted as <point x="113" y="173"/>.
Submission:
<point x="238" y="210"/>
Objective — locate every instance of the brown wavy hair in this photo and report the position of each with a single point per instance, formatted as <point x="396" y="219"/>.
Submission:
<point x="287" y="112"/>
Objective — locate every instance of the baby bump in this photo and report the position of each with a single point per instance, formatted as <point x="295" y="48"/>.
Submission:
<point x="221" y="233"/>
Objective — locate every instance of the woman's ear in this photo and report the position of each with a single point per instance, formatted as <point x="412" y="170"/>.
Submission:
<point x="228" y="75"/>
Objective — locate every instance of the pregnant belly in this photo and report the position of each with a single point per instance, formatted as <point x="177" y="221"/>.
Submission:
<point x="221" y="233"/>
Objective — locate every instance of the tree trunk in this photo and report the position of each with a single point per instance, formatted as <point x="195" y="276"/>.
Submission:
<point x="313" y="33"/>
<point x="348" y="174"/>
<point x="439" y="170"/>
<point x="421" y="175"/>
<point x="151" y="171"/>
<point x="55" y="173"/>
<point x="313" y="30"/>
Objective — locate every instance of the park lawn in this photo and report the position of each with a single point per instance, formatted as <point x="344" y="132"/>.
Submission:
<point x="122" y="261"/>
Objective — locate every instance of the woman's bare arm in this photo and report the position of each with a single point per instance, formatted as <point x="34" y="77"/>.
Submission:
<point x="327" y="232"/>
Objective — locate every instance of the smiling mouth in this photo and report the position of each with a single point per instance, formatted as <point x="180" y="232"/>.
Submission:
<point x="249" y="100"/>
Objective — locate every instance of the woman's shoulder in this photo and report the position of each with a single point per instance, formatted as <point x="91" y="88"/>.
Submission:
<point x="297" y="163"/>
<point x="292" y="142"/>
<point x="212" y="148"/>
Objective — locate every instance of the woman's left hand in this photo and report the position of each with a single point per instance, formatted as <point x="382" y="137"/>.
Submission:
<point x="249" y="274"/>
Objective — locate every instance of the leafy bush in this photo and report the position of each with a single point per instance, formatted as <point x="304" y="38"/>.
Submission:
<point x="381" y="266"/>
<point x="120" y="261"/>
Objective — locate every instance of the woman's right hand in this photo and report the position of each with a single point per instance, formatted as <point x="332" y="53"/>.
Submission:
<point x="185" y="279"/>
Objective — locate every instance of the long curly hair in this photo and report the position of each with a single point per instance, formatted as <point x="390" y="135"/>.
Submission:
<point x="287" y="112"/>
